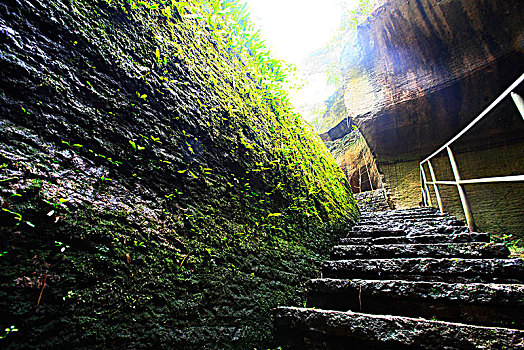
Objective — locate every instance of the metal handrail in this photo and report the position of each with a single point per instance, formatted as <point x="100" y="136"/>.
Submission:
<point x="519" y="102"/>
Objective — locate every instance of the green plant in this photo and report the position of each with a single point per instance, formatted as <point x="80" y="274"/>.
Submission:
<point x="8" y="331"/>
<point x="357" y="15"/>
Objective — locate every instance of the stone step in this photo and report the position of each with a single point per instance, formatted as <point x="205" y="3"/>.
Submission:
<point x="403" y="212"/>
<point x="420" y="239"/>
<point x="428" y="269"/>
<point x="411" y="222"/>
<point x="399" y="230"/>
<point x="475" y="303"/>
<point x="377" y="232"/>
<point x="386" y="215"/>
<point x="419" y="218"/>
<point x="455" y="250"/>
<point x="299" y="328"/>
<point x="407" y="224"/>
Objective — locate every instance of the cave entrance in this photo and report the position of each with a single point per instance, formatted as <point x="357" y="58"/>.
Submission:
<point x="361" y="180"/>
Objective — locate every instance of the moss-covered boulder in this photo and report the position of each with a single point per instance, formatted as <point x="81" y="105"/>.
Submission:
<point x="154" y="192"/>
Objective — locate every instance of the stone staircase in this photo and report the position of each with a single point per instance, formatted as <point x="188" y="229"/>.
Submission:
<point x="371" y="201"/>
<point x="410" y="279"/>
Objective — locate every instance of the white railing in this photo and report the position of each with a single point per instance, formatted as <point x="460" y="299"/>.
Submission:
<point x="519" y="101"/>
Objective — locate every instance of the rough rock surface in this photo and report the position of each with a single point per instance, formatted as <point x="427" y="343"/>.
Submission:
<point x="479" y="304"/>
<point x="419" y="71"/>
<point x="459" y="250"/>
<point x="143" y="201"/>
<point x="426" y="238"/>
<point x="389" y="297"/>
<point x="356" y="161"/>
<point x="321" y="329"/>
<point x="374" y="200"/>
<point x="416" y="70"/>
<point x="484" y="269"/>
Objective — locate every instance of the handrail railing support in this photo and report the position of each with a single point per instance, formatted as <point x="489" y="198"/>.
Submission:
<point x="424" y="202"/>
<point x="425" y="183"/>
<point x="519" y="102"/>
<point x="435" y="186"/>
<point x="462" y="192"/>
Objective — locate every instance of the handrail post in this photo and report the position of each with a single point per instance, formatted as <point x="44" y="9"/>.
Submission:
<point x="424" y="180"/>
<point x="424" y="201"/>
<point x="462" y="192"/>
<point x="519" y="102"/>
<point x="435" y="186"/>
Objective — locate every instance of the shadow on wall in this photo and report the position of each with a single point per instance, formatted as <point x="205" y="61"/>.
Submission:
<point x="354" y="157"/>
<point x="362" y="180"/>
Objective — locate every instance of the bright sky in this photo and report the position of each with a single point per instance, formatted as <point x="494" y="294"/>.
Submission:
<point x="294" y="28"/>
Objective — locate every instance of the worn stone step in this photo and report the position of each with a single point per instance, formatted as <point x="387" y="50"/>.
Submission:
<point x="401" y="212"/>
<point x="377" y="232"/>
<point x="474" y="303"/>
<point x="455" y="250"/>
<point x="407" y="224"/>
<point x="391" y="215"/>
<point x="429" y="269"/>
<point x="404" y="216"/>
<point x="383" y="221"/>
<point x="300" y="328"/>
<point x="399" y="230"/>
<point x="410" y="218"/>
<point x="420" y="239"/>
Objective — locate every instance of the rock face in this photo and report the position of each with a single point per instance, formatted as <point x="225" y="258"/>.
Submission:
<point x="416" y="73"/>
<point x="356" y="161"/>
<point x="418" y="69"/>
<point x="152" y="194"/>
<point x="349" y="148"/>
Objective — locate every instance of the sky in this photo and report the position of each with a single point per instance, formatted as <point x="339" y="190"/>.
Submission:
<point x="292" y="30"/>
<point x="295" y="28"/>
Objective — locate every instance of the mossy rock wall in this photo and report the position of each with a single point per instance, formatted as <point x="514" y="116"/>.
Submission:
<point x="153" y="194"/>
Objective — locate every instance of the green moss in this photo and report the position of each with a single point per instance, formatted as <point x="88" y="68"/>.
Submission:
<point x="185" y="216"/>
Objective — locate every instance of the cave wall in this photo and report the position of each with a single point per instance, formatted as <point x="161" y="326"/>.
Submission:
<point x="349" y="147"/>
<point x="356" y="161"/>
<point x="418" y="66"/>
<point x="418" y="71"/>
<point x="153" y="195"/>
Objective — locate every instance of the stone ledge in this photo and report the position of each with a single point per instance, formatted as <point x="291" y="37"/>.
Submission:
<point x="296" y="325"/>
<point x="420" y="239"/>
<point x="456" y="250"/>
<point x="382" y="268"/>
<point x="473" y="303"/>
<point x="512" y="294"/>
<point x="375" y="232"/>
